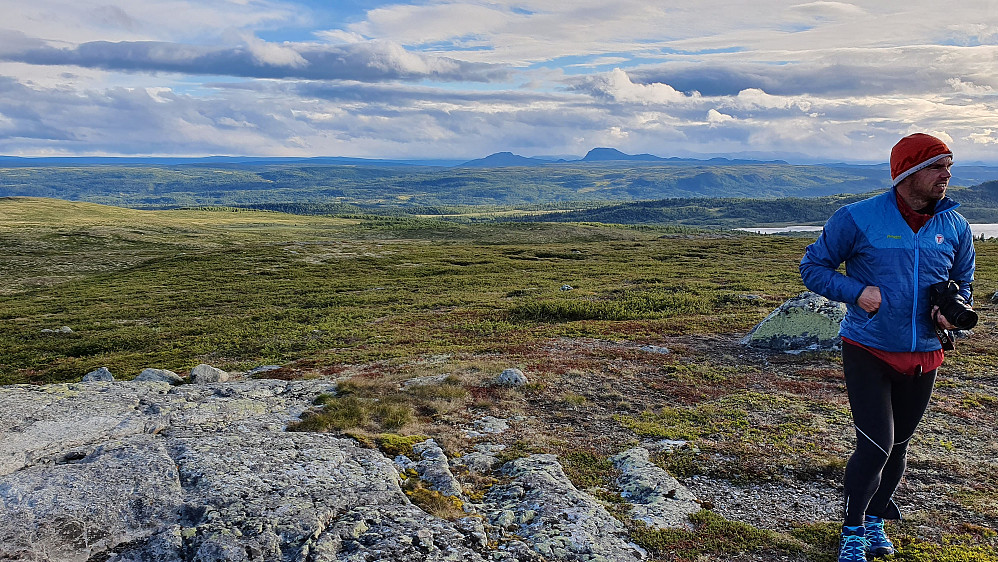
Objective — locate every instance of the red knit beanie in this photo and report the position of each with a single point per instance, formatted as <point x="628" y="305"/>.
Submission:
<point x="915" y="152"/>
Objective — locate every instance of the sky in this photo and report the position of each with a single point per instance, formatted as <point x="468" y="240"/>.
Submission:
<point x="461" y="79"/>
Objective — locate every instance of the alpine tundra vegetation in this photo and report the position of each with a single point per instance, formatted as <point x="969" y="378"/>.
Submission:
<point x="368" y="349"/>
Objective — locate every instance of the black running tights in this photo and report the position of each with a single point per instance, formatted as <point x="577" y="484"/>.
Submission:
<point x="886" y="408"/>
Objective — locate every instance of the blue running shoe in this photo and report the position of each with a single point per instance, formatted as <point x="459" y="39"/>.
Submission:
<point x="853" y="546"/>
<point x="880" y="545"/>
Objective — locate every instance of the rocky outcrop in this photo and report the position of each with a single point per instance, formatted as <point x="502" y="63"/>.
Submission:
<point x="555" y="519"/>
<point x="146" y="471"/>
<point x="658" y="499"/>
<point x="152" y="471"/>
<point x="806" y="322"/>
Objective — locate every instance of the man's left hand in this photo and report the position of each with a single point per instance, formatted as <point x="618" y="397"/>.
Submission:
<point x="941" y="320"/>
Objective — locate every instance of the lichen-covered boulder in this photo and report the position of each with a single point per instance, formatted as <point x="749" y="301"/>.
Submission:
<point x="806" y="322"/>
<point x="512" y="377"/>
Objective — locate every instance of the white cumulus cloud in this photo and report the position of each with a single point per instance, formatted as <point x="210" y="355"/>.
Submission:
<point x="618" y="86"/>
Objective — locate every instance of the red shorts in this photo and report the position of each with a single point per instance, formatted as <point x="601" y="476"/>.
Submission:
<point x="906" y="362"/>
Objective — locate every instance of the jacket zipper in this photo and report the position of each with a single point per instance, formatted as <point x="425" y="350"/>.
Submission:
<point x="914" y="309"/>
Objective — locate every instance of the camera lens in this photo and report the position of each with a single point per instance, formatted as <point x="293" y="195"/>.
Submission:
<point x="963" y="318"/>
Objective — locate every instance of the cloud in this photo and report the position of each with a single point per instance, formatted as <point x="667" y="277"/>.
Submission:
<point x="83" y="21"/>
<point x="715" y="117"/>
<point x="617" y="86"/>
<point x="271" y="54"/>
<point x="845" y="72"/>
<point x="828" y="10"/>
<point x="471" y="77"/>
<point x="368" y="61"/>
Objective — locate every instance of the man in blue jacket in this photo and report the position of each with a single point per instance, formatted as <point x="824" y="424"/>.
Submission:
<point x="895" y="246"/>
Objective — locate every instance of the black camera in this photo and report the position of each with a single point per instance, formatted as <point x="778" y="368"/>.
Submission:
<point x="946" y="295"/>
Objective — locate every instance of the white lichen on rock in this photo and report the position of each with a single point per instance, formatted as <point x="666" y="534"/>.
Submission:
<point x="807" y="321"/>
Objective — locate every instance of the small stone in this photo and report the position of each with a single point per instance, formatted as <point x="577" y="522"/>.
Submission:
<point x="512" y="377"/>
<point x="566" y="287"/>
<point x="490" y="424"/>
<point x="159" y="375"/>
<point x="100" y="375"/>
<point x="478" y="462"/>
<point x="203" y="374"/>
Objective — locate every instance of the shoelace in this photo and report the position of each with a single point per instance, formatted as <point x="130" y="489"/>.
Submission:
<point x="875" y="530"/>
<point x="853" y="548"/>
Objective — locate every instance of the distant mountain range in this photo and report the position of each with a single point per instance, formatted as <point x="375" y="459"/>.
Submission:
<point x="601" y="155"/>
<point x="502" y="181"/>
<point x="498" y="160"/>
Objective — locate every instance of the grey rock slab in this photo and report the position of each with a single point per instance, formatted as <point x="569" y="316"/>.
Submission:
<point x="117" y="494"/>
<point x="554" y="518"/>
<point x="491" y="424"/>
<point x="434" y="468"/>
<point x="426" y="381"/>
<point x="39" y="423"/>
<point x="657" y="498"/>
<point x="150" y="472"/>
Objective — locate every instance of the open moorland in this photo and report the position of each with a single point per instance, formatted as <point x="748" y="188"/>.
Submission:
<point x="627" y="335"/>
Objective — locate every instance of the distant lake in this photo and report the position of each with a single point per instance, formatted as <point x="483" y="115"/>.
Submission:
<point x="980" y="230"/>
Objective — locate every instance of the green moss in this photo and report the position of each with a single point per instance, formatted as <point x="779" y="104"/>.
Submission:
<point x="517" y="450"/>
<point x="432" y="501"/>
<point x="393" y="445"/>
<point x="954" y="548"/>
<point x="712" y="534"/>
<point x="978" y="400"/>
<point x="758" y="434"/>
<point x="589" y="470"/>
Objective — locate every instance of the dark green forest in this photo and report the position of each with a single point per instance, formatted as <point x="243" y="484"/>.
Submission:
<point x="978" y="204"/>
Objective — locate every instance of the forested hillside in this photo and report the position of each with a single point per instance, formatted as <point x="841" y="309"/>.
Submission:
<point x="378" y="187"/>
<point x="978" y="203"/>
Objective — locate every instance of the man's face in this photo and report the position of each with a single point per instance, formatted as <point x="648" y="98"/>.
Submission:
<point x="929" y="184"/>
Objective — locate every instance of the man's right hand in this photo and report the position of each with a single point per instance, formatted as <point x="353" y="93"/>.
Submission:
<point x="869" y="299"/>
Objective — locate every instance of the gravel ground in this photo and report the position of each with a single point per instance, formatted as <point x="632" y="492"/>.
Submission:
<point x="774" y="506"/>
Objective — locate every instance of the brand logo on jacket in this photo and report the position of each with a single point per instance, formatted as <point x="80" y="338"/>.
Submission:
<point x="940" y="239"/>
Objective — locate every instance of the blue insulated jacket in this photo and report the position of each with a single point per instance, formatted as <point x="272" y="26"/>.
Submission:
<point x="879" y="249"/>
